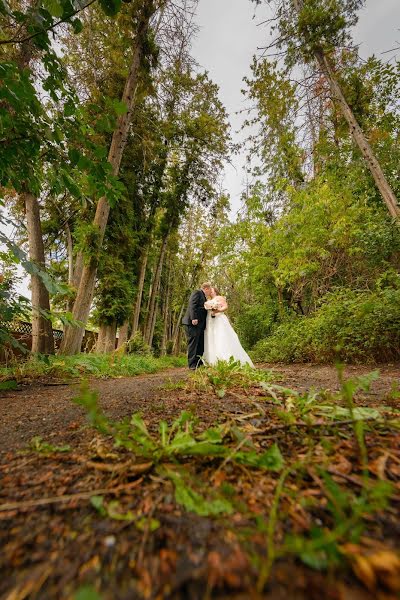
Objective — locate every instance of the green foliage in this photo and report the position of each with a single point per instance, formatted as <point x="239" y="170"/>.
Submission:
<point x="271" y="459"/>
<point x="113" y="510"/>
<point x="254" y="321"/>
<point x="352" y="326"/>
<point x="194" y="502"/>
<point x="86" y="592"/>
<point x="349" y="512"/>
<point x="312" y="25"/>
<point x="176" y="440"/>
<point x="276" y="141"/>
<point x="137" y="345"/>
<point x="13" y="306"/>
<point x="111" y="7"/>
<point x="37" y="444"/>
<point x="94" y="365"/>
<point x="229" y="374"/>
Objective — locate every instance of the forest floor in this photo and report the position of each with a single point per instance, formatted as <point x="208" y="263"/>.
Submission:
<point x="319" y="515"/>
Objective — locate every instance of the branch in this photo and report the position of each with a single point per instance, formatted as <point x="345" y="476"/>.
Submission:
<point x="323" y="424"/>
<point x="68" y="497"/>
<point x="30" y="37"/>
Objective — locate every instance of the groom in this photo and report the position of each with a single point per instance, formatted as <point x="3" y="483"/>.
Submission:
<point x="195" y="324"/>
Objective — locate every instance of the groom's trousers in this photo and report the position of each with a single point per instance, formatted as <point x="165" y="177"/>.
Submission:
<point x="195" y="340"/>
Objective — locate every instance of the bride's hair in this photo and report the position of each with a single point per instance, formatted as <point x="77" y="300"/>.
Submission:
<point x="216" y="290"/>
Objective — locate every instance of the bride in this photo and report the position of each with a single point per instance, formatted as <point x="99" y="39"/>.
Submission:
<point x="220" y="339"/>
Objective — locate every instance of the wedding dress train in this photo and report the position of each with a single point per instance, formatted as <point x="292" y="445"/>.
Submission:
<point x="221" y="341"/>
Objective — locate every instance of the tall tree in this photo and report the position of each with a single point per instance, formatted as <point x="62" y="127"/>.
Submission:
<point x="73" y="335"/>
<point x="314" y="30"/>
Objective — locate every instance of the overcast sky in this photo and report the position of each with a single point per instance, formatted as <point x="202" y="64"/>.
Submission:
<point x="230" y="33"/>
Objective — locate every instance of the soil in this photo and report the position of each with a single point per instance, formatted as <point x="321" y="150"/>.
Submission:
<point x="45" y="409"/>
<point x="50" y="547"/>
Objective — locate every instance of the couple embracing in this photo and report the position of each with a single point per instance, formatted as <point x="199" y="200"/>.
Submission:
<point x="210" y="335"/>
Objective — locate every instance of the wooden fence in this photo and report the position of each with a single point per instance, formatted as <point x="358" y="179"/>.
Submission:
<point x="21" y="331"/>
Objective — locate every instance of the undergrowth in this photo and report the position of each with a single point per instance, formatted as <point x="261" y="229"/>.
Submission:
<point x="94" y="365"/>
<point x="351" y="326"/>
<point x="284" y="440"/>
<point x="316" y="418"/>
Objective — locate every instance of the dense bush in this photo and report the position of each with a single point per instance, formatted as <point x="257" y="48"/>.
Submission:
<point x="349" y="325"/>
<point x="137" y="345"/>
<point x="254" y="322"/>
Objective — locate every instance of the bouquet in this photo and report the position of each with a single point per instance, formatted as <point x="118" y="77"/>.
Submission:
<point x="212" y="305"/>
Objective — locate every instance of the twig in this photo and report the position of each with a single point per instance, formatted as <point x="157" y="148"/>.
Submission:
<point x="358" y="481"/>
<point x="317" y="425"/>
<point x="146" y="532"/>
<point x="119" y="467"/>
<point x="45" y="29"/>
<point x="67" y="497"/>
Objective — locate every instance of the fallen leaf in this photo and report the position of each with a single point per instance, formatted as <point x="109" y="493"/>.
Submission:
<point x="378" y="466"/>
<point x="364" y="571"/>
<point x="340" y="464"/>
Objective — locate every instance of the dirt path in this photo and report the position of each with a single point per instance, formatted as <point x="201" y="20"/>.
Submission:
<point x="46" y="409"/>
<point x="304" y="377"/>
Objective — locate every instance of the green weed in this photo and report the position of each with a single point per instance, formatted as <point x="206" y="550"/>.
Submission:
<point x="230" y="374"/>
<point x="94" y="365"/>
<point x="37" y="444"/>
<point x="175" y="440"/>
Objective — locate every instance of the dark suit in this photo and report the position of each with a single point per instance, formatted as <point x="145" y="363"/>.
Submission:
<point x="195" y="333"/>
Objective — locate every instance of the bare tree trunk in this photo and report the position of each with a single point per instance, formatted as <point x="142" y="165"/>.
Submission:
<point x="154" y="291"/>
<point x="70" y="250"/>
<point x="139" y="295"/>
<point x="178" y="344"/>
<point x="106" y="339"/>
<point x="280" y="300"/>
<point x="42" y="331"/>
<point x="73" y="335"/>
<point x="166" y="315"/>
<point x="74" y="270"/>
<point x="123" y="334"/>
<point x="153" y="322"/>
<point x="176" y="330"/>
<point x="374" y="166"/>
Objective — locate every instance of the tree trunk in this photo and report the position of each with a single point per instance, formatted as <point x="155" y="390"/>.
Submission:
<point x="166" y="315"/>
<point x="154" y="291"/>
<point x="139" y="295"/>
<point x="153" y="322"/>
<point x="42" y="331"/>
<point x="123" y="334"/>
<point x="70" y="250"/>
<point x="178" y="342"/>
<point x="280" y="301"/>
<point x="358" y="136"/>
<point x="73" y="335"/>
<point x="177" y="328"/>
<point x="106" y="339"/>
<point x="74" y="270"/>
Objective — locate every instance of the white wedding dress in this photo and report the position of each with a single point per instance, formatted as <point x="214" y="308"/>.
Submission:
<point x="221" y="341"/>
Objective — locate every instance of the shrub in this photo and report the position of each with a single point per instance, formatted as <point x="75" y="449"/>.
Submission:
<point x="349" y="325"/>
<point x="254" y="322"/>
<point x="137" y="345"/>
